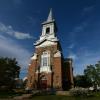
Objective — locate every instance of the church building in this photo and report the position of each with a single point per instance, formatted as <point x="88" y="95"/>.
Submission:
<point x="48" y="68"/>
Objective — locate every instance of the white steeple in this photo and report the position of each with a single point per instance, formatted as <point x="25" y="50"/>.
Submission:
<point x="49" y="30"/>
<point x="50" y="17"/>
<point x="49" y="26"/>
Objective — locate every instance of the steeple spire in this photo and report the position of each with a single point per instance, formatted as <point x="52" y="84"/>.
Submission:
<point x="50" y="17"/>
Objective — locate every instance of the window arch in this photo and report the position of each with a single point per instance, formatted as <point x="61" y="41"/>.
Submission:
<point x="47" y="30"/>
<point x="45" y="59"/>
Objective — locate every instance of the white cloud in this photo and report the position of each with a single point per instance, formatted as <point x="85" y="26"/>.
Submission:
<point x="88" y="8"/>
<point x="2" y="37"/>
<point x="10" y="31"/>
<point x="75" y="32"/>
<point x="85" y="57"/>
<point x="73" y="56"/>
<point x="71" y="46"/>
<point x="20" y="35"/>
<point x="10" y="48"/>
<point x="80" y="27"/>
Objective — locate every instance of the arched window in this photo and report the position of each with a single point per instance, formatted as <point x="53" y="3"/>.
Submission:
<point x="45" y="59"/>
<point x="47" y="30"/>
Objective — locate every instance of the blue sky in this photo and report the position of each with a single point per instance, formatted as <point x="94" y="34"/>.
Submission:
<point x="78" y="23"/>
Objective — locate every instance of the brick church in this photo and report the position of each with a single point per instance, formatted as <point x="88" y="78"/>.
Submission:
<point x="48" y="68"/>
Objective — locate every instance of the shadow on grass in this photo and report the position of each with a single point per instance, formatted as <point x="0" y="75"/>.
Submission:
<point x="95" y="96"/>
<point x="8" y="94"/>
<point x="56" y="97"/>
<point x="11" y="94"/>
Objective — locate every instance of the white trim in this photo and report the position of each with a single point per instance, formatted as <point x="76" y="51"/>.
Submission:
<point x="34" y="57"/>
<point x="46" y="43"/>
<point x="29" y="64"/>
<point x="43" y="70"/>
<point x="57" y="54"/>
<point x="43" y="67"/>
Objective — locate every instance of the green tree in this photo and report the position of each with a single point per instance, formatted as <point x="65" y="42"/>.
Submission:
<point x="92" y="72"/>
<point x="81" y="81"/>
<point x="97" y="68"/>
<point x="9" y="70"/>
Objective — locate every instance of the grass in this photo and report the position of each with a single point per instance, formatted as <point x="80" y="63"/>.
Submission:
<point x="55" y="97"/>
<point x="8" y="94"/>
<point x="96" y="96"/>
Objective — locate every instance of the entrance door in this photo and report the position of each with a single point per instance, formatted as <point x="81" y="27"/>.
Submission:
<point x="43" y="83"/>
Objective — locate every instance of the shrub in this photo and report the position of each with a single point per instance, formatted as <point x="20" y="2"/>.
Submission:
<point x="80" y="92"/>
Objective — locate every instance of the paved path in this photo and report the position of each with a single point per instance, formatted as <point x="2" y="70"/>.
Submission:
<point x="23" y="97"/>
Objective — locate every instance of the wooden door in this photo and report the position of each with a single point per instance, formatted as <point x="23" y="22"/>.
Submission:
<point x="43" y="84"/>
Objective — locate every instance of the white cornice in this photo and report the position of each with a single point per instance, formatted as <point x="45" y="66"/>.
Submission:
<point x="52" y="39"/>
<point x="57" y="54"/>
<point x="46" y="43"/>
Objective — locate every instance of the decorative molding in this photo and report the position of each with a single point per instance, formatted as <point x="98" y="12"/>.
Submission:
<point x="57" y="54"/>
<point x="44" y="39"/>
<point x="29" y="64"/>
<point x="34" y="57"/>
<point x="46" y="70"/>
<point x="46" y="43"/>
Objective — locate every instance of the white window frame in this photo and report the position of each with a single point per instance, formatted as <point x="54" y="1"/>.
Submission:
<point x="45" y="55"/>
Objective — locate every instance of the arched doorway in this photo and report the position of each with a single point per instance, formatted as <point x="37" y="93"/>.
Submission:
<point x="43" y="82"/>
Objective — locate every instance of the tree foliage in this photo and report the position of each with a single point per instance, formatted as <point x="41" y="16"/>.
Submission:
<point x="81" y="81"/>
<point x="92" y="72"/>
<point x="9" y="70"/>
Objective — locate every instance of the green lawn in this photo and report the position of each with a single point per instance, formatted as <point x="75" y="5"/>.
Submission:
<point x="8" y="95"/>
<point x="55" y="97"/>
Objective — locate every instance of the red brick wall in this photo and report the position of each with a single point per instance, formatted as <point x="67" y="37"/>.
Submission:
<point x="69" y="73"/>
<point x="54" y="78"/>
<point x="57" y="73"/>
<point x="31" y="74"/>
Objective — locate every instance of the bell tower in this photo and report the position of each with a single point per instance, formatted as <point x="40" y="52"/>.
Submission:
<point x="49" y="28"/>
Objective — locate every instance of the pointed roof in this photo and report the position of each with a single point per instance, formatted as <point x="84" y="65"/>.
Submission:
<point x="50" y="17"/>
